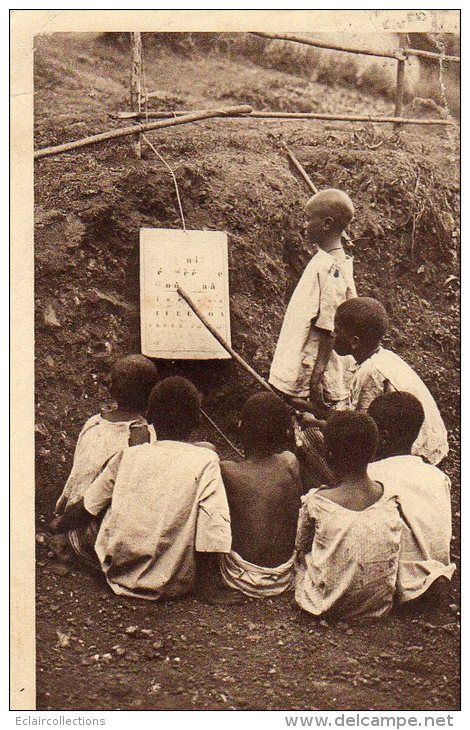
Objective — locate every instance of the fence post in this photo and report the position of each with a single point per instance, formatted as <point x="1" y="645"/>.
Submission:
<point x="136" y="84"/>
<point x="400" y="90"/>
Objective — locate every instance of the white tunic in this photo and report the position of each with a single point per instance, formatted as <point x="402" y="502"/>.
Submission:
<point x="424" y="495"/>
<point x="351" y="566"/>
<point x="385" y="371"/>
<point x="326" y="282"/>
<point x="166" y="501"/>
<point x="99" y="439"/>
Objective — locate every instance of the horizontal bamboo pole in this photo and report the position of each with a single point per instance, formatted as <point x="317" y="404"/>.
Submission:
<point x="431" y="55"/>
<point x="238" y="358"/>
<point x="329" y="46"/>
<point x="397" y="54"/>
<point x="310" y="115"/>
<point x="135" y="128"/>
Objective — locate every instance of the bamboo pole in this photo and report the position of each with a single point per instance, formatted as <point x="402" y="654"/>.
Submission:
<point x="329" y="46"/>
<point x="308" y="180"/>
<point x="309" y="115"/>
<point x="238" y="358"/>
<point x="136" y="84"/>
<point x="399" y="92"/>
<point x="125" y="131"/>
<point x="431" y="55"/>
<point x="300" y="169"/>
<point x="398" y="53"/>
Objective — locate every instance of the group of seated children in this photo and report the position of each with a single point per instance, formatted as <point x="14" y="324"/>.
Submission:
<point x="160" y="516"/>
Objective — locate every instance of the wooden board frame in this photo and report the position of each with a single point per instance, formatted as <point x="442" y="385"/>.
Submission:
<point x="197" y="261"/>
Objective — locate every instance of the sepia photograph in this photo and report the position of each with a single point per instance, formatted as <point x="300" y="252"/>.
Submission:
<point x="246" y="362"/>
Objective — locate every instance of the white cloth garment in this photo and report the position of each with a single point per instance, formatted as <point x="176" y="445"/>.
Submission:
<point x="99" y="439"/>
<point x="166" y="501"/>
<point x="424" y="495"/>
<point x="384" y="372"/>
<point x="350" y="567"/>
<point x="254" y="580"/>
<point x="326" y="282"/>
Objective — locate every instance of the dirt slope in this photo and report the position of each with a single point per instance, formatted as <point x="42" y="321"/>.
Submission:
<point x="232" y="176"/>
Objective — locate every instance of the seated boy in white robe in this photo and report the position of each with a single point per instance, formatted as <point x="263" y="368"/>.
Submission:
<point x="263" y="493"/>
<point x="423" y="491"/>
<point x="119" y="425"/>
<point x="348" y="536"/>
<point x="164" y="504"/>
<point x="360" y="325"/>
<point x="103" y="435"/>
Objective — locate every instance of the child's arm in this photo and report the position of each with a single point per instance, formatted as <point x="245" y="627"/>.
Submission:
<point x="61" y="504"/>
<point x="324" y="324"/>
<point x="213" y="533"/>
<point x="97" y="498"/>
<point x="325" y="348"/>
<point x="80" y="464"/>
<point x="375" y="384"/>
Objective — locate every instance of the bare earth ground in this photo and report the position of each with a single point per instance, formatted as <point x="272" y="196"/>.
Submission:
<point x="94" y="650"/>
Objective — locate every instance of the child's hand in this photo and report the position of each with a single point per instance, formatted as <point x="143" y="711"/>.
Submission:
<point x="301" y="404"/>
<point x="61" y="505"/>
<point x="56" y="525"/>
<point x="307" y="420"/>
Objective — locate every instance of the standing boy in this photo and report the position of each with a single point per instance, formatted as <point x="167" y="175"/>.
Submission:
<point x="423" y="492"/>
<point x="164" y="504"/>
<point x="304" y="364"/>
<point x="360" y="325"/>
<point x="348" y="536"/>
<point x="263" y="493"/>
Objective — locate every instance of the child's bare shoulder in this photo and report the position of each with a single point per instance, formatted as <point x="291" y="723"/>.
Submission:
<point x="228" y="467"/>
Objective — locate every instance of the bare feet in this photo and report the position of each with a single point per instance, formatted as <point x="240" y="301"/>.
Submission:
<point x="59" y="545"/>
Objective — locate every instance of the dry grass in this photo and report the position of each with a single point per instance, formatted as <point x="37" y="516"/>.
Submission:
<point x="375" y="76"/>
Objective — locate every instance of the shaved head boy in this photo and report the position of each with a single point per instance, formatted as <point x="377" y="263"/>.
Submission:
<point x="130" y="381"/>
<point x="329" y="213"/>
<point x="304" y="366"/>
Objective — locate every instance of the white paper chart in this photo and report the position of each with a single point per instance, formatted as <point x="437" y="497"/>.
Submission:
<point x="197" y="261"/>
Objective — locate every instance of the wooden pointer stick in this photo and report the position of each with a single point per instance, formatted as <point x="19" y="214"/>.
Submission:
<point x="310" y="451"/>
<point x="238" y="358"/>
